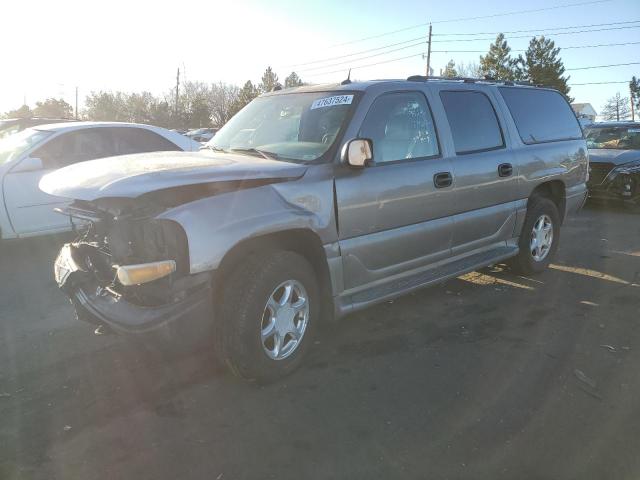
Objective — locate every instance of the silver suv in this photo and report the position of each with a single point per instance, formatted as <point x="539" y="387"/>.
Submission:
<point x="315" y="202"/>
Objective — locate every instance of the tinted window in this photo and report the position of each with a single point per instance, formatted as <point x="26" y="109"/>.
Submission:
<point x="541" y="115"/>
<point x="401" y="127"/>
<point x="76" y="146"/>
<point x="139" y="140"/>
<point x="473" y="122"/>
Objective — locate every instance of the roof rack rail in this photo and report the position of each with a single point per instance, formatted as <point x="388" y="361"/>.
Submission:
<point x="424" y="78"/>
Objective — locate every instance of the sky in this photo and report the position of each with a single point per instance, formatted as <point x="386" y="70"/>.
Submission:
<point x="50" y="48"/>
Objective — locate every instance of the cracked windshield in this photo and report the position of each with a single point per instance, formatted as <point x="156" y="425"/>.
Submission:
<point x="321" y="240"/>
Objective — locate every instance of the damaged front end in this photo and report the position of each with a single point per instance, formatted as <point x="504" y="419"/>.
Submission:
<point x="129" y="271"/>
<point x="610" y="182"/>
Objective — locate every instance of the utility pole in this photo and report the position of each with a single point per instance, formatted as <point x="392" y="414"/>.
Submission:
<point x="429" y="53"/>
<point x="76" y="103"/>
<point x="177" y="90"/>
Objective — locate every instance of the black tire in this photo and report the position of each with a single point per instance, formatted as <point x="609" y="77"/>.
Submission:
<point x="241" y="314"/>
<point x="525" y="263"/>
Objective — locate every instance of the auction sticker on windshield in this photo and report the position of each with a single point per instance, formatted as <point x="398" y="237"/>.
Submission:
<point x="332" y="101"/>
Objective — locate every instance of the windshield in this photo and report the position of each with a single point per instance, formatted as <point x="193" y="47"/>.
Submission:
<point x="294" y="127"/>
<point x="15" y="145"/>
<point x="614" y="138"/>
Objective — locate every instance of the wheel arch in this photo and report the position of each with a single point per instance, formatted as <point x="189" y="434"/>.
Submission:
<point x="303" y="241"/>
<point x="554" y="190"/>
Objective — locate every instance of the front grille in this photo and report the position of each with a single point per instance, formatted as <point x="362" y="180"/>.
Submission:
<point x="598" y="172"/>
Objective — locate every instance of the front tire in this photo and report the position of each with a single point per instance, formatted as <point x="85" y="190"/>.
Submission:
<point x="539" y="238"/>
<point x="269" y="314"/>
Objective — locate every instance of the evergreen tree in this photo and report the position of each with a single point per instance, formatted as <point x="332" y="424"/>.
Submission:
<point x="450" y="69"/>
<point x="269" y="80"/>
<point x="247" y="93"/>
<point x="634" y="89"/>
<point x="498" y="63"/>
<point x="293" y="80"/>
<point x="543" y="66"/>
<point x="616" y="108"/>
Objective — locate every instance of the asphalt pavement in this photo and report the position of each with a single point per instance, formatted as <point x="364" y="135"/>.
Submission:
<point x="487" y="376"/>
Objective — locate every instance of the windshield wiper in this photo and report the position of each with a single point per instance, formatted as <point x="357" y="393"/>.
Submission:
<point x="212" y="147"/>
<point x="267" y="155"/>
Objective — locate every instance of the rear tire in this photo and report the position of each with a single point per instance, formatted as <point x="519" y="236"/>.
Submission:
<point x="539" y="238"/>
<point x="269" y="315"/>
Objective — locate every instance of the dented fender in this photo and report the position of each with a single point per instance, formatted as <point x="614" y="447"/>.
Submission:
<point x="214" y="225"/>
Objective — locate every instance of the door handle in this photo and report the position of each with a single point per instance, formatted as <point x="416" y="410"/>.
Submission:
<point x="442" y="179"/>
<point x="505" y="170"/>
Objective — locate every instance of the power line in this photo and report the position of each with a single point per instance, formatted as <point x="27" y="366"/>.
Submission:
<point x="451" y="51"/>
<point x="369" y="65"/>
<point x="528" y="36"/>
<point x="423" y="53"/>
<point x="422" y="43"/>
<point x="462" y="19"/>
<point x="595" y="83"/>
<point x="421" y="40"/>
<point x="541" y="29"/>
<point x="604" y="66"/>
<point x="338" y="57"/>
<point x="348" y="62"/>
<point x="561" y="48"/>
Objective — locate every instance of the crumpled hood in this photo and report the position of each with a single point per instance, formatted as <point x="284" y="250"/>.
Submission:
<point x="130" y="176"/>
<point x="609" y="155"/>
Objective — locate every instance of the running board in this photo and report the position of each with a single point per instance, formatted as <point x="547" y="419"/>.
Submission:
<point x="401" y="286"/>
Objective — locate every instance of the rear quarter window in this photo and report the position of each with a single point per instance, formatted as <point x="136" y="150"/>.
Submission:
<point x="541" y="115"/>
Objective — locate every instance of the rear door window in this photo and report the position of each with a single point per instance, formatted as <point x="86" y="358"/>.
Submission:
<point x="76" y="146"/>
<point x="139" y="140"/>
<point x="541" y="115"/>
<point x="472" y="120"/>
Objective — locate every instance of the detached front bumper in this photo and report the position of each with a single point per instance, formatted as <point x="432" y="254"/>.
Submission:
<point x="189" y="309"/>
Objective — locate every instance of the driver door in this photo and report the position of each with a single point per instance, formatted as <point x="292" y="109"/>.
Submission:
<point x="395" y="215"/>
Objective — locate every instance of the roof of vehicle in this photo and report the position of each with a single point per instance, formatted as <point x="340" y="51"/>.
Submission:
<point x="54" y="127"/>
<point x="622" y="123"/>
<point x="182" y="141"/>
<point x="364" y="85"/>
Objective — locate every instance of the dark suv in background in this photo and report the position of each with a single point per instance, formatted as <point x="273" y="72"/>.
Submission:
<point x="318" y="201"/>
<point x="614" y="154"/>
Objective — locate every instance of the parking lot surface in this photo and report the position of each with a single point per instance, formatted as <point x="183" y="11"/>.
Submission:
<point x="490" y="375"/>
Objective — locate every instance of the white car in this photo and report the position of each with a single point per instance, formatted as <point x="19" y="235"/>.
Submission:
<point x="27" y="156"/>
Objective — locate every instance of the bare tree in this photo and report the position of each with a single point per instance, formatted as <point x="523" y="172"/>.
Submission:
<point x="471" y="70"/>
<point x="223" y="102"/>
<point x="616" y="108"/>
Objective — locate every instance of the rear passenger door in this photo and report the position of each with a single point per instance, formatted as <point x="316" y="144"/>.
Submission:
<point x="484" y="171"/>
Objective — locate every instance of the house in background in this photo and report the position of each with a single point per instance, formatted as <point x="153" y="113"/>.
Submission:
<point x="584" y="110"/>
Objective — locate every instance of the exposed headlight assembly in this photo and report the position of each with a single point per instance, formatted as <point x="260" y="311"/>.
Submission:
<point x="145" y="272"/>
<point x="631" y="167"/>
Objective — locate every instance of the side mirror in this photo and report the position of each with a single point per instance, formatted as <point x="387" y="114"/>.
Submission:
<point x="357" y="152"/>
<point x="29" y="164"/>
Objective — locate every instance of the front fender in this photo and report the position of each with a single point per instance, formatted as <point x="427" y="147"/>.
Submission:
<point x="214" y="225"/>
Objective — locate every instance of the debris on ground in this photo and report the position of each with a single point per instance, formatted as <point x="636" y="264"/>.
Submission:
<point x="580" y="375"/>
<point x="609" y="347"/>
<point x="67" y="428"/>
<point x="5" y="395"/>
